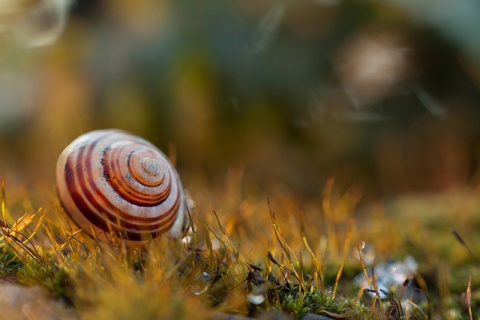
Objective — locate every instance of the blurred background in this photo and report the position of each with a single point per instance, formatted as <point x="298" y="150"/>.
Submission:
<point x="378" y="94"/>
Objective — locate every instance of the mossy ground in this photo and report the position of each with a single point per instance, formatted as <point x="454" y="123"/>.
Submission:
<point x="248" y="254"/>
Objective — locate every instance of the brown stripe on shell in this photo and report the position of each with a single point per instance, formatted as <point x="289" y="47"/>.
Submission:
<point x="153" y="232"/>
<point x="110" y="221"/>
<point x="121" y="186"/>
<point x="79" y="200"/>
<point x="103" y="216"/>
<point x="162" y="188"/>
<point x="113" y="213"/>
<point x="142" y="172"/>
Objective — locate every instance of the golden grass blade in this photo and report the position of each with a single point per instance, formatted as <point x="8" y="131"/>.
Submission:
<point x="230" y="262"/>
<point x="372" y="280"/>
<point x="17" y="253"/>
<point x="57" y="247"/>
<point x="418" y="308"/>
<point x="30" y="250"/>
<point x="286" y="249"/>
<point x="4" y="206"/>
<point x="219" y="224"/>
<point x="37" y="226"/>
<point x="23" y="221"/>
<point x="316" y="273"/>
<point x="3" y="201"/>
<point x="375" y="287"/>
<point x="192" y="227"/>
<point x="208" y="240"/>
<point x="227" y="239"/>
<point x="278" y="264"/>
<point x="337" y="279"/>
<point x="287" y="253"/>
<point x="66" y="238"/>
<point x="14" y="240"/>
<point x="362" y="263"/>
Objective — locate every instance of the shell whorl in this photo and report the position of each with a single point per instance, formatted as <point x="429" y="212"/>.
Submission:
<point x="112" y="182"/>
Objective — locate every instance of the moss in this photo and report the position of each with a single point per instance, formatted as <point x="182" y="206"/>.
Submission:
<point x="9" y="263"/>
<point x="48" y="275"/>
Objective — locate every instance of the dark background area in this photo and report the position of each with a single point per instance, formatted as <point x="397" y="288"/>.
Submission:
<point x="378" y="94"/>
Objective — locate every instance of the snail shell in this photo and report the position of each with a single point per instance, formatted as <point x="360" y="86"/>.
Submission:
<point x="111" y="182"/>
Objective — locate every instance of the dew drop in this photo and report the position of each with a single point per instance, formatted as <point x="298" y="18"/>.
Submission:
<point x="201" y="283"/>
<point x="215" y="244"/>
<point x="257" y="295"/>
<point x="255" y="298"/>
<point x="367" y="251"/>
<point x="187" y="239"/>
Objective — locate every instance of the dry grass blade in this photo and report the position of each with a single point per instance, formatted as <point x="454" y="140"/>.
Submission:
<point x="11" y="235"/>
<point x="191" y="227"/>
<point x="219" y="224"/>
<point x="231" y="262"/>
<point x="362" y="263"/>
<point x="417" y="307"/>
<point x="462" y="242"/>
<point x="3" y="223"/>
<point x="52" y="240"/>
<point x="208" y="243"/>
<point x="337" y="279"/>
<point x="26" y="220"/>
<point x="288" y="252"/>
<point x="225" y="236"/>
<point x="273" y="260"/>
<point x="317" y="273"/>
<point x="17" y="253"/>
<point x="372" y="280"/>
<point x="375" y="286"/>
<point x="32" y="252"/>
<point x="395" y="310"/>
<point x="278" y="264"/>
<point x="4" y="205"/>
<point x="282" y="243"/>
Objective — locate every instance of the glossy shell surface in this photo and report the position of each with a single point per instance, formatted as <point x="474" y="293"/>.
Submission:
<point x="111" y="182"/>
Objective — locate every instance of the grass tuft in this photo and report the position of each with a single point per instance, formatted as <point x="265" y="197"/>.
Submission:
<point x="246" y="259"/>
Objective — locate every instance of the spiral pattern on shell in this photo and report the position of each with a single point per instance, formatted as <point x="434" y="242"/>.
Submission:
<point x="113" y="183"/>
